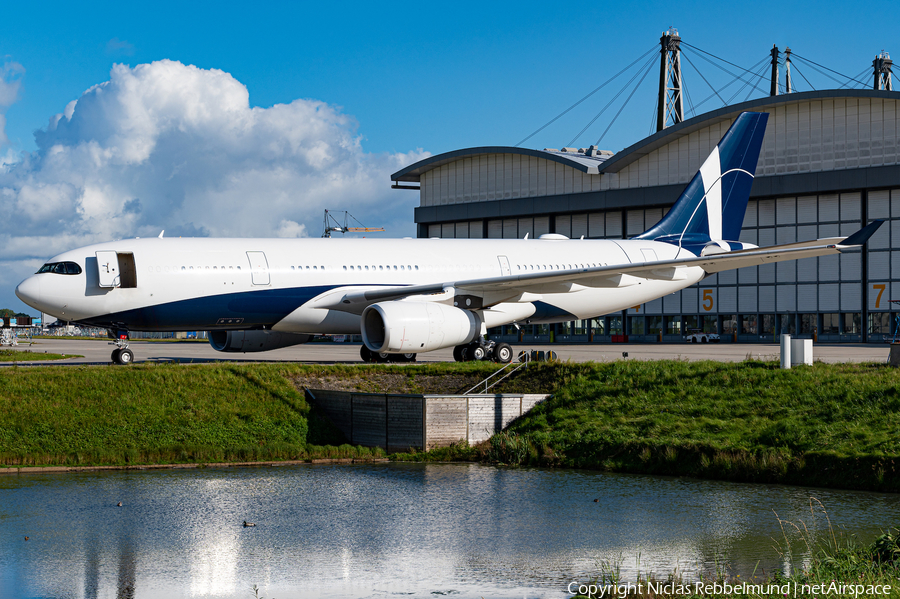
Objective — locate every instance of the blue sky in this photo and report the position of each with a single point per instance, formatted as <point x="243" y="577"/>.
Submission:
<point x="434" y="75"/>
<point x="388" y="82"/>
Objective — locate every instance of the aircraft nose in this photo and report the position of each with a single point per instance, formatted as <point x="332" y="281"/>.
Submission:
<point x="29" y="291"/>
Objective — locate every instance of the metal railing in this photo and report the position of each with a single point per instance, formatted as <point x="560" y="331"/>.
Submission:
<point x="524" y="359"/>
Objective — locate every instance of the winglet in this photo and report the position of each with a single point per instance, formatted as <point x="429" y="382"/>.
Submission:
<point x="862" y="236"/>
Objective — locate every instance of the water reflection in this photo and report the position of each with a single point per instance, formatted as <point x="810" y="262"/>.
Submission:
<point x="388" y="530"/>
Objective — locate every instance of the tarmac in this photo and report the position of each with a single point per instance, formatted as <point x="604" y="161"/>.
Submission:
<point x="194" y="352"/>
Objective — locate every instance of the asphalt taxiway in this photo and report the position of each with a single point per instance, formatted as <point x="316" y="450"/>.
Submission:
<point x="98" y="352"/>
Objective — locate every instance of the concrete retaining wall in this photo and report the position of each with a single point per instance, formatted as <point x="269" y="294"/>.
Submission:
<point x="400" y="422"/>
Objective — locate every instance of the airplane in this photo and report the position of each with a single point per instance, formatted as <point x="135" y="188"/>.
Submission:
<point x="407" y="296"/>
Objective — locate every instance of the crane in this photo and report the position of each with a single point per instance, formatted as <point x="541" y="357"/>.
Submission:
<point x="333" y="225"/>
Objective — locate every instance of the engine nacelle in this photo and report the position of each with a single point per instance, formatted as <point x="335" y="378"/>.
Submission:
<point x="252" y="341"/>
<point x="411" y="327"/>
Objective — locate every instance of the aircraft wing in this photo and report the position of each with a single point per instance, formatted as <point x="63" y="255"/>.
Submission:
<point x="505" y="288"/>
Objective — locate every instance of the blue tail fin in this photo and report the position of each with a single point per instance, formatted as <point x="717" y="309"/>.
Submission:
<point x="713" y="204"/>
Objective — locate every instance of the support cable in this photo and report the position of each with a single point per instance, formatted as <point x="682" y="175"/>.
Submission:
<point x="653" y="126"/>
<point x="740" y="77"/>
<point x="687" y="94"/>
<point x="608" y="81"/>
<point x="690" y="62"/>
<point x="735" y="79"/>
<point x="804" y="77"/>
<point x="827" y="69"/>
<point x="717" y="58"/>
<point x="647" y="72"/>
<point x="864" y="71"/>
<point x="614" y="98"/>
<point x="761" y="71"/>
<point x="765" y="63"/>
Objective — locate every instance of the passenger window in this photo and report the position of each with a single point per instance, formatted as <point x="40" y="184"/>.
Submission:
<point x="314" y="268"/>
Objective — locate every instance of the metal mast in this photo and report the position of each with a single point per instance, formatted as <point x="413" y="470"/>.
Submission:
<point x="882" y="65"/>
<point x="670" y="110"/>
<point x="773" y="88"/>
<point x="788" y="84"/>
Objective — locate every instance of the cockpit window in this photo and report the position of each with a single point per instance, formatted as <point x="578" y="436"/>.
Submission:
<point x="61" y="268"/>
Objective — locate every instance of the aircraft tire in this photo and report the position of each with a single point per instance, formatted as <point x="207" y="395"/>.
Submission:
<point x="458" y="353"/>
<point x="407" y="357"/>
<point x="365" y="353"/>
<point x="115" y="356"/>
<point x="503" y="353"/>
<point x="475" y="352"/>
<point x="126" y="356"/>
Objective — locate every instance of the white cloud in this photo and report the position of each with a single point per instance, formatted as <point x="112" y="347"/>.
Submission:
<point x="176" y="147"/>
<point x="10" y="83"/>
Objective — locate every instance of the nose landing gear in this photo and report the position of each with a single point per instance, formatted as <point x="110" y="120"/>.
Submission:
<point x="121" y="355"/>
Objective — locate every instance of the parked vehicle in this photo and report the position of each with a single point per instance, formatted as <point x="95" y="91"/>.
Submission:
<point x="698" y="336"/>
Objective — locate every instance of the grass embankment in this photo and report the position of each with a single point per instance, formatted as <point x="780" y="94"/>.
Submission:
<point x="834" y="425"/>
<point x="26" y="355"/>
<point x="160" y="413"/>
<point x="826" y="425"/>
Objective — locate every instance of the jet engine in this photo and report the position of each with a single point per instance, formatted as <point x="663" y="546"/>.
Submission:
<point x="251" y="341"/>
<point x="411" y="327"/>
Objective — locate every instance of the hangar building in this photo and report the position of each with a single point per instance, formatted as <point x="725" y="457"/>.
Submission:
<point x="830" y="162"/>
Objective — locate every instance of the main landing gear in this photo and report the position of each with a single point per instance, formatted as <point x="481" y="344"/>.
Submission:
<point x="121" y="355"/>
<point x="483" y="349"/>
<point x="369" y="356"/>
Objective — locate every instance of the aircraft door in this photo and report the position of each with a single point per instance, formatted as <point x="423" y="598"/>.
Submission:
<point x="504" y="265"/>
<point x="259" y="268"/>
<point x="108" y="264"/>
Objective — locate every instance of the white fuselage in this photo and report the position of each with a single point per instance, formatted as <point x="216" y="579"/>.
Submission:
<point x="285" y="284"/>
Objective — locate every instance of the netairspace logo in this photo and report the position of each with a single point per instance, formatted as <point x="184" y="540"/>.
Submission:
<point x="792" y="589"/>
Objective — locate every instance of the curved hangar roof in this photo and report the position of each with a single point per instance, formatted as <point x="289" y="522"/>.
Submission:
<point x="808" y="132"/>
<point x="578" y="160"/>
